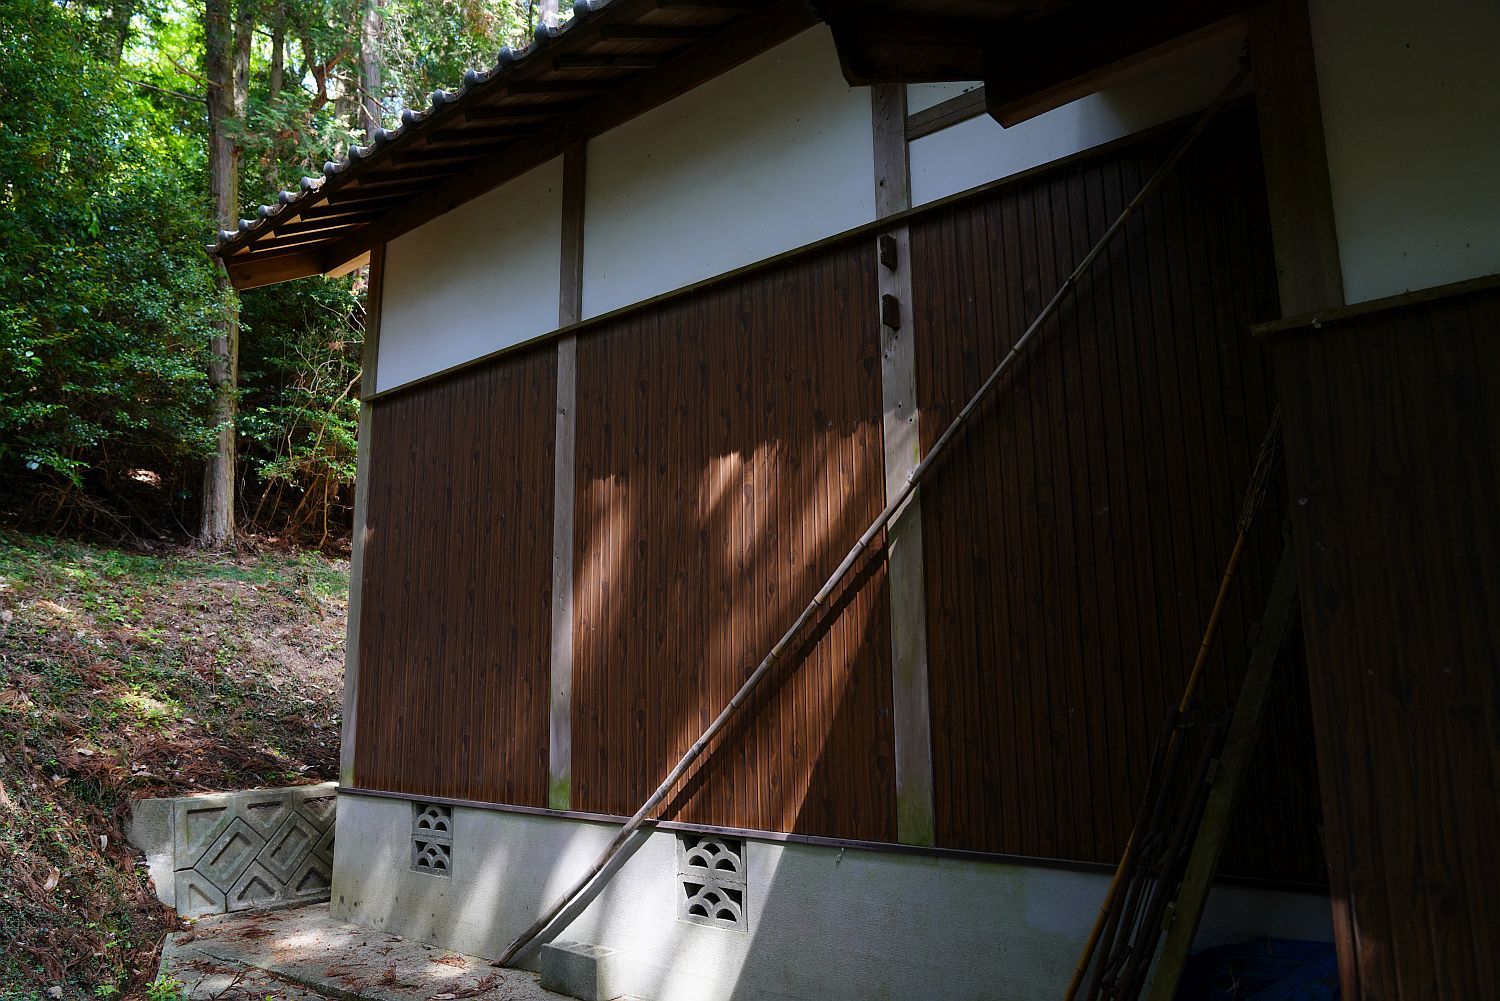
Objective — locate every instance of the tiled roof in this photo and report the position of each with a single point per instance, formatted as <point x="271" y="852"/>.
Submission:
<point x="606" y="48"/>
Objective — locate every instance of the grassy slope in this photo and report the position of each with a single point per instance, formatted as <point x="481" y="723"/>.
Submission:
<point x="124" y="676"/>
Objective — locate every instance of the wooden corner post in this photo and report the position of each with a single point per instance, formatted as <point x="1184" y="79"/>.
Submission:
<point x="369" y="360"/>
<point x="903" y="450"/>
<point x="1308" y="274"/>
<point x="569" y="310"/>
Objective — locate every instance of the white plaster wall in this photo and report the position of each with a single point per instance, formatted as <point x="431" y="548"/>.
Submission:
<point x="921" y="96"/>
<point x="1411" y="117"/>
<point x="773" y="155"/>
<point x="971" y="153"/>
<point x="824" y="922"/>
<point x="478" y="279"/>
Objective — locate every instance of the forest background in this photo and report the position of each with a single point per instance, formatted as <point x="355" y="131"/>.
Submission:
<point x="134" y="384"/>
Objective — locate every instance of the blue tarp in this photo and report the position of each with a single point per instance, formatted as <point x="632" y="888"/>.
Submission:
<point x="1268" y="969"/>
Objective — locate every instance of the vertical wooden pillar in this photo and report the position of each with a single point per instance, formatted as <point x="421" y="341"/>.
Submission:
<point x="369" y="361"/>
<point x="1308" y="278"/>
<point x="1308" y="274"/>
<point x="898" y="379"/>
<point x="569" y="310"/>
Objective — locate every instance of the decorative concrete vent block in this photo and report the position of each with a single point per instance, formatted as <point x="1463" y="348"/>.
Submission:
<point x="432" y="839"/>
<point x="241" y="850"/>
<point x="711" y="881"/>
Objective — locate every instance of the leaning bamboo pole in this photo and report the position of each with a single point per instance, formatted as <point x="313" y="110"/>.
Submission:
<point x="895" y="505"/>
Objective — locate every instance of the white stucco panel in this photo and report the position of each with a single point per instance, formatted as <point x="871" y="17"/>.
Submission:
<point x="975" y="152"/>
<point x="1411" y="118"/>
<point x="771" y="156"/>
<point x="480" y="278"/>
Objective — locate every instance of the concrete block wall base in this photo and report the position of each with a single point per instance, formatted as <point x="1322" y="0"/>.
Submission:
<point x="820" y="922"/>
<point x="238" y="850"/>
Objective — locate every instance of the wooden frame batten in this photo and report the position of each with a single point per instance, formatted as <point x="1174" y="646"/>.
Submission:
<point x="910" y="700"/>
<point x="564" y="485"/>
<point x="369" y="363"/>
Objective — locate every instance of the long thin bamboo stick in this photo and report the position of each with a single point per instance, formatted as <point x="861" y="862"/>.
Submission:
<point x="913" y="481"/>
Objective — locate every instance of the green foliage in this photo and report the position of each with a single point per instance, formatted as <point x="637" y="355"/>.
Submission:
<point x="108" y="300"/>
<point x="166" y="989"/>
<point x="301" y="418"/>
<point x="102" y="319"/>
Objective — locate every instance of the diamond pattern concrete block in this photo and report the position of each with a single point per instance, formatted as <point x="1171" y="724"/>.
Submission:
<point x="196" y="896"/>
<point x="198" y="822"/>
<point x="311" y="881"/>
<point x="291" y="843"/>
<point x="264" y="811"/>
<point x="324" y="848"/>
<point x="227" y="858"/>
<point x="317" y="803"/>
<point x="255" y="888"/>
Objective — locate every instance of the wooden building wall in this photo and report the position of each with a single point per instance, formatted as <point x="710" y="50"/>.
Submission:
<point x="1393" y="459"/>
<point x="1075" y="541"/>
<point x="728" y="455"/>
<point x="454" y="638"/>
<point x="728" y="452"/>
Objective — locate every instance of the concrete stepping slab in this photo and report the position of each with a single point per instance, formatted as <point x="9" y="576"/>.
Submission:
<point x="302" y="953"/>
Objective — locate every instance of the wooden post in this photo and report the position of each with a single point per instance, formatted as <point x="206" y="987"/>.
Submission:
<point x="569" y="310"/>
<point x="367" y="386"/>
<point x="1308" y="274"/>
<point x="903" y="450"/>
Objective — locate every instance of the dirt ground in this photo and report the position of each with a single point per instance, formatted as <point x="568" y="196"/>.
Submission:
<point x="126" y="675"/>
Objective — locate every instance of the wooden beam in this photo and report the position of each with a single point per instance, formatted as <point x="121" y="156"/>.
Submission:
<point x="740" y="5"/>
<point x="961" y="108"/>
<point x="575" y="176"/>
<point x="440" y="155"/>
<point x="560" y="87"/>
<point x="516" y="112"/>
<point x="255" y="271"/>
<point x="1308" y="273"/>
<point x="607" y="60"/>
<point x="656" y="32"/>
<point x="901" y="434"/>
<point x="481" y="134"/>
<point x="748" y="38"/>
<point x="349" y="730"/>
<point x="1013" y="97"/>
<point x="569" y="308"/>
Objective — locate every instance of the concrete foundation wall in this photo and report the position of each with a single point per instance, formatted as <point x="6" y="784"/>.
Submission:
<point x="823" y="922"/>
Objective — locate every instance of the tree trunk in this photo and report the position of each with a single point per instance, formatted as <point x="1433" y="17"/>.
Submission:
<point x="227" y="62"/>
<point x="278" y="51"/>
<point x="117" y="23"/>
<point x="370" y="29"/>
<point x="549" y="13"/>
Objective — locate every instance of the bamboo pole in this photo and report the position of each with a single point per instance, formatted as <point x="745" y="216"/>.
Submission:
<point x="913" y="481"/>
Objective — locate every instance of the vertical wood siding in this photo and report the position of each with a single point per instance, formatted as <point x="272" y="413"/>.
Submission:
<point x="1393" y="432"/>
<point x="728" y="455"/>
<point x="1075" y="540"/>
<point x="454" y="639"/>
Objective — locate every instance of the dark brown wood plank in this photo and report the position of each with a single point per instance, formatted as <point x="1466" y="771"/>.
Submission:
<point x="1075" y="541"/>
<point x="1392" y="435"/>
<point x="728" y="453"/>
<point x="454" y="644"/>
